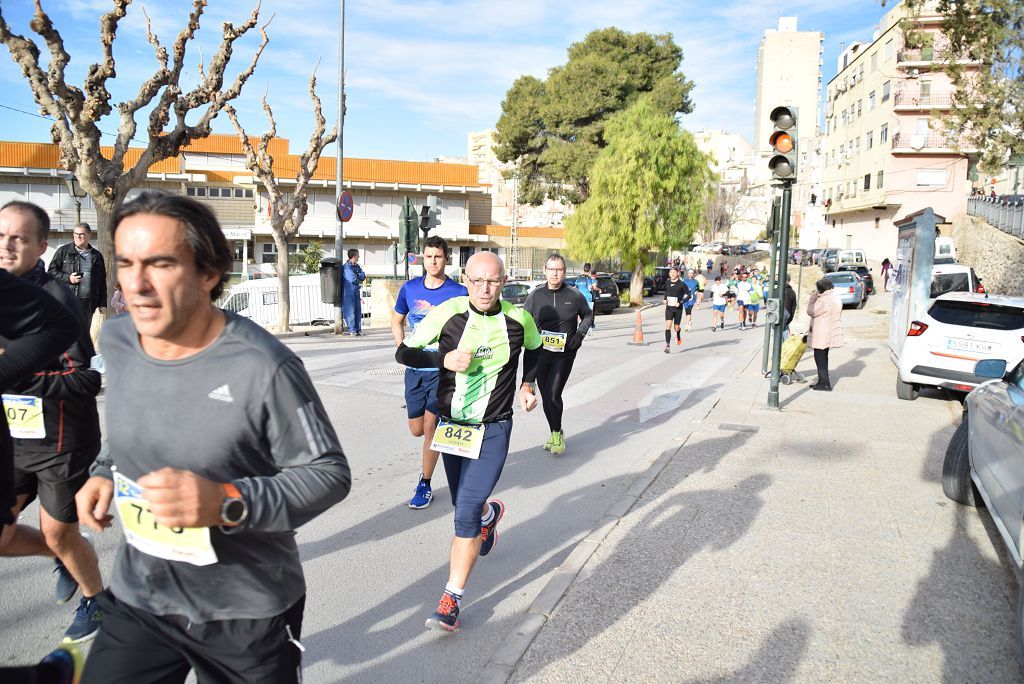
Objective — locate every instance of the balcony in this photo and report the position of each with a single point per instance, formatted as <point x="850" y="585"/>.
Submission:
<point x="928" y="143"/>
<point x="916" y="56"/>
<point x="910" y="101"/>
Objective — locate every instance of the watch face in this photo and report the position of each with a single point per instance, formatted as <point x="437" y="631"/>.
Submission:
<point x="234" y="511"/>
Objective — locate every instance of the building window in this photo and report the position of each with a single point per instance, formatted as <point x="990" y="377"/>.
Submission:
<point x="871" y="100"/>
<point x="464" y="254"/>
<point x="878" y="180"/>
<point x="874" y="61"/>
<point x="844" y="117"/>
<point x="862" y="71"/>
<point x="860" y="107"/>
<point x="200" y="192"/>
<point x="885" y="91"/>
<point x="883" y="134"/>
<point x="867" y="181"/>
<point x="888" y="49"/>
<point x="191" y="192"/>
<point x="869" y="140"/>
<point x="878" y="223"/>
<point x="932" y="178"/>
<point x="215" y="192"/>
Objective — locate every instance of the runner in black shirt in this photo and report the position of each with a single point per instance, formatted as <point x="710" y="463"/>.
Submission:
<point x="676" y="295"/>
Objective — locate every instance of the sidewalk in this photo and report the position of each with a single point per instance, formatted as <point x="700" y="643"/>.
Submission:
<point x="809" y="544"/>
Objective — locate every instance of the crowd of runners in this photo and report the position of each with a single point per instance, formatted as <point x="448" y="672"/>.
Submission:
<point x="209" y="566"/>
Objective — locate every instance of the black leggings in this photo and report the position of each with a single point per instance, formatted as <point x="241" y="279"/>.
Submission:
<point x="552" y="376"/>
<point x="821" y="361"/>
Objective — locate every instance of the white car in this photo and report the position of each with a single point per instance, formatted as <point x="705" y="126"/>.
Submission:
<point x="959" y="329"/>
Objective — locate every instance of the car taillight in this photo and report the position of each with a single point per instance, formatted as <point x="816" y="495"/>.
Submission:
<point x="981" y="289"/>
<point x="963" y="388"/>
<point x="916" y="328"/>
<point x="852" y="290"/>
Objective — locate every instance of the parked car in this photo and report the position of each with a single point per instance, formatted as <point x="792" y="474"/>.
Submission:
<point x="954" y="278"/>
<point x="623" y="279"/>
<point x="516" y="291"/>
<point x="833" y="258"/>
<point x="607" y="299"/>
<point x="660" y="278"/>
<point x="760" y="246"/>
<point x="984" y="462"/>
<point x="958" y="330"/>
<point x="865" y="274"/>
<point x="850" y="288"/>
<point x="810" y="257"/>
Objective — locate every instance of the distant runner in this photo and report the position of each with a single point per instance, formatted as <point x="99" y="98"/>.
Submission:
<point x="676" y="296"/>
<point x="587" y="285"/>
<point x="694" y="289"/>
<point x="719" y="291"/>
<point x="563" y="318"/>
<point x="415" y="300"/>
<point x="479" y="340"/>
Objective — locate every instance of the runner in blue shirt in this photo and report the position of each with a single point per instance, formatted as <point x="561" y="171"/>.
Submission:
<point x="415" y="300"/>
<point x="693" y="286"/>
<point x="586" y="284"/>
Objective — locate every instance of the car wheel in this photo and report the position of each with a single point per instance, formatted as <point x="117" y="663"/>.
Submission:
<point x="956" y="468"/>
<point x="906" y="390"/>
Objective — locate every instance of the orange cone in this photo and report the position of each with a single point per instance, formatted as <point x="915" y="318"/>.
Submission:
<point x="638" y="330"/>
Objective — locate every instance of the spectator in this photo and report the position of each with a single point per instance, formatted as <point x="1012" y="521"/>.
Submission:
<point x="117" y="302"/>
<point x="826" y="331"/>
<point x="80" y="266"/>
<point x="886" y="265"/>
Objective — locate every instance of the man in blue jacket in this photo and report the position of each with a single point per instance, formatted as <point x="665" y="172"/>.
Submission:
<point x="352" y="277"/>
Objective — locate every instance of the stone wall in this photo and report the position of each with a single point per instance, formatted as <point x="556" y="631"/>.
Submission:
<point x="997" y="258"/>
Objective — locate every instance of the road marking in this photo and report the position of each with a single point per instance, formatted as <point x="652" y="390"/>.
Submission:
<point x="671" y="394"/>
<point x="597" y="386"/>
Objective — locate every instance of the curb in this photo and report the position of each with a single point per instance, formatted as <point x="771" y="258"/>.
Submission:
<point x="303" y="333"/>
<point x="503" y="662"/>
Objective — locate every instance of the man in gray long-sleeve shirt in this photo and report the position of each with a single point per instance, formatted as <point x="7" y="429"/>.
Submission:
<point x="217" y="449"/>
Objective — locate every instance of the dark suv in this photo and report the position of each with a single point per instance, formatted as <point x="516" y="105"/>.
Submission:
<point x="865" y="274"/>
<point x="623" y="280"/>
<point x="607" y="300"/>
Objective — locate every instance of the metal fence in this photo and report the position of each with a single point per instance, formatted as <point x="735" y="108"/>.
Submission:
<point x="1005" y="214"/>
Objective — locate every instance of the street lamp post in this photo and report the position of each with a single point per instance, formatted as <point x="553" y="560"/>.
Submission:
<point x="77" y="193"/>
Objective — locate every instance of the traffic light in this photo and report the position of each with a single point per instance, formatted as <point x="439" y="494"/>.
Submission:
<point x="430" y="215"/>
<point x="408" y="236"/>
<point x="783" y="142"/>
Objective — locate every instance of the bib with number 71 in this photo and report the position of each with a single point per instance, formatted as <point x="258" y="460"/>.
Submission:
<point x="185" y="544"/>
<point x="553" y="341"/>
<point x="458" y="440"/>
<point x="24" y="416"/>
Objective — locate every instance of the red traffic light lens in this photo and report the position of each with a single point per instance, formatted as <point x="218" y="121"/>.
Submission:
<point x="782" y="142"/>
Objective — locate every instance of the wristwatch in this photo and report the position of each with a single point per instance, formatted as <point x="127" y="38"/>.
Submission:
<point x="232" y="509"/>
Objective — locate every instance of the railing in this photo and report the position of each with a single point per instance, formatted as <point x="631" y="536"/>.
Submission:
<point x="941" y="99"/>
<point x="1005" y="214"/>
<point x="919" y="141"/>
<point x="915" y="55"/>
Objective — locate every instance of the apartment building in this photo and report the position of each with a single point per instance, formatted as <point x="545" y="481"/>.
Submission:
<point x="213" y="172"/>
<point x="885" y="154"/>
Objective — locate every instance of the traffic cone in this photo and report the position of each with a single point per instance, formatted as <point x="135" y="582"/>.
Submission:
<point x="638" y="330"/>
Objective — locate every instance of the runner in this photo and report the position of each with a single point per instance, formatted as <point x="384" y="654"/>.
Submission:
<point x="415" y="300"/>
<point x="718" y="300"/>
<point x="702" y="284"/>
<point x="676" y="296"/>
<point x="479" y="339"/>
<point x="227" y="452"/>
<point x="563" y="319"/>
<point x="693" y="287"/>
<point x="710" y="265"/>
<point x="754" y="301"/>
<point x="52" y="455"/>
<point x="587" y="284"/>
<point x="742" y="298"/>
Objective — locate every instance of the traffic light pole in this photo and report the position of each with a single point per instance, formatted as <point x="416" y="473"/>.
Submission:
<point x="773" y="292"/>
<point x="773" y="387"/>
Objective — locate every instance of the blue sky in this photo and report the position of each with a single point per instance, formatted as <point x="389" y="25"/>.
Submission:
<point x="420" y="75"/>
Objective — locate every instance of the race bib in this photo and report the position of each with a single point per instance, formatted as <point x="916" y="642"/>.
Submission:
<point x="185" y="544"/>
<point x="24" y="416"/>
<point x="458" y="440"/>
<point x="672" y="301"/>
<point x="553" y="341"/>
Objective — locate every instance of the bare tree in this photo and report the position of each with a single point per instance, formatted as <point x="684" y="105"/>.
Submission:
<point x="76" y="111"/>
<point x="287" y="208"/>
<point x="722" y="209"/>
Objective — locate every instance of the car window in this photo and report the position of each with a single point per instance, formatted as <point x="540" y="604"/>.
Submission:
<point x="949" y="282"/>
<point x="844" y="277"/>
<point x="977" y="314"/>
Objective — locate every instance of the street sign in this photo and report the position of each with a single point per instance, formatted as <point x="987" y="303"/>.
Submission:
<point x="345" y="207"/>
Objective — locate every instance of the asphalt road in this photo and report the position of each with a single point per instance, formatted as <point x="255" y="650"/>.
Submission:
<point x="375" y="568"/>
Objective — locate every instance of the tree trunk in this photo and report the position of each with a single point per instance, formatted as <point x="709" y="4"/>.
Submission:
<point x="636" y="286"/>
<point x="284" y="300"/>
<point x="105" y="208"/>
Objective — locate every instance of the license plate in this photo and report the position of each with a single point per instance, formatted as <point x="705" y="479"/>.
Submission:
<point x="977" y="346"/>
<point x="605" y="294"/>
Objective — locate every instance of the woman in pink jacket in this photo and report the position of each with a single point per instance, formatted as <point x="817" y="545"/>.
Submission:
<point x="826" y="310"/>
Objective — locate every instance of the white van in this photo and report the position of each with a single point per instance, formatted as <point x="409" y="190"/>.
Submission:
<point x="258" y="300"/>
<point x="945" y="250"/>
<point x="831" y="259"/>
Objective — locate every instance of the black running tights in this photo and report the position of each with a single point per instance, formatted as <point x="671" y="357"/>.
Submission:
<point x="552" y="375"/>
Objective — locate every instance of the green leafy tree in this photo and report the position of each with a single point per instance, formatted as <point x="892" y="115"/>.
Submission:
<point x="989" y="101"/>
<point x="649" y="193"/>
<point x="553" y="129"/>
<point x="312" y="255"/>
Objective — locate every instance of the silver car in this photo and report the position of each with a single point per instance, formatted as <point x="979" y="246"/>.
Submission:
<point x="849" y="286"/>
<point x="984" y="463"/>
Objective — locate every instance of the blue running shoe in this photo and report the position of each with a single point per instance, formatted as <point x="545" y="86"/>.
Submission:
<point x="489" y="532"/>
<point x="88" y="618"/>
<point x="422" y="496"/>
<point x="446" y="617"/>
<point x="67" y="586"/>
